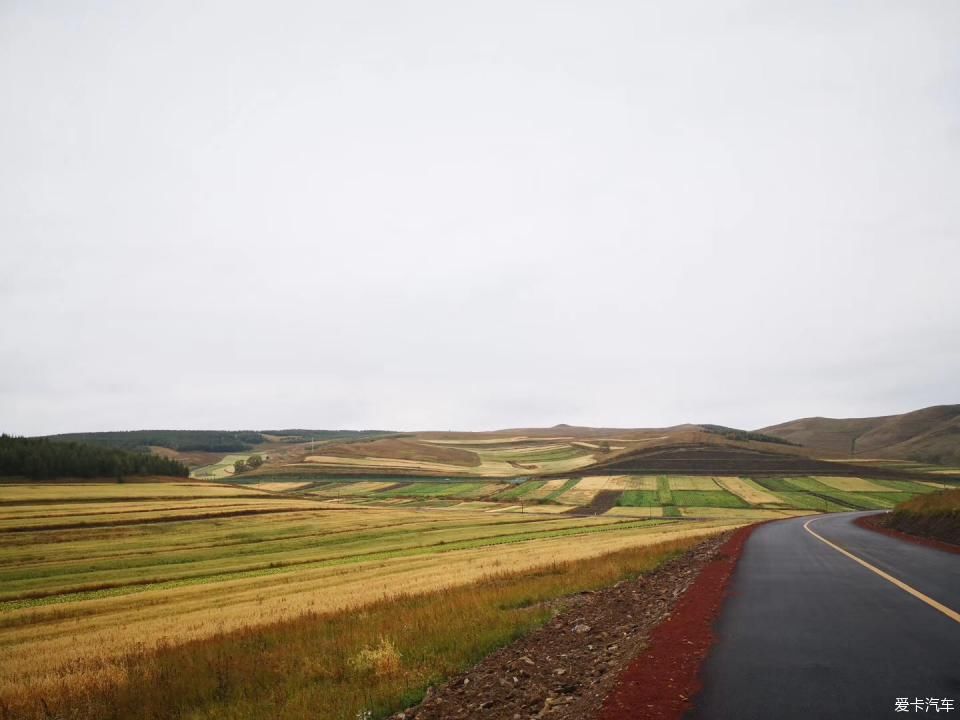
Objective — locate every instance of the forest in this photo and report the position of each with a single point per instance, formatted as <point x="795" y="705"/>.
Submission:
<point x="42" y="459"/>
<point x="180" y="440"/>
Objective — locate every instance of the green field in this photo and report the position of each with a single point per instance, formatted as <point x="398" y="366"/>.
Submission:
<point x="707" y="498"/>
<point x="639" y="498"/>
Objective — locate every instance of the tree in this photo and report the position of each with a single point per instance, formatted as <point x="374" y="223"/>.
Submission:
<point x="239" y="466"/>
<point x="254" y="461"/>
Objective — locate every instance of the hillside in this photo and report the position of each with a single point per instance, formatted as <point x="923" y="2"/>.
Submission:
<point x="928" y="435"/>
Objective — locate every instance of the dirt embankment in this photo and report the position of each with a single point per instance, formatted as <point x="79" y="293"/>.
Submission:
<point x="566" y="670"/>
<point x="934" y="517"/>
<point x="939" y="531"/>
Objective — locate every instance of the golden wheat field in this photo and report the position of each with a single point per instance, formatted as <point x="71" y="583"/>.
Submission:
<point x="91" y="572"/>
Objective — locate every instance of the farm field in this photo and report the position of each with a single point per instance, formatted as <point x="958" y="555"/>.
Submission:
<point x="79" y="591"/>
<point x="677" y="495"/>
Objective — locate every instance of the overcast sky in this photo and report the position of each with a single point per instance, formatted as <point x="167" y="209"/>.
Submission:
<point x="470" y="215"/>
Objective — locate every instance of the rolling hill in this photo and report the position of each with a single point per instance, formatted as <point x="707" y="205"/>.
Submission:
<point x="928" y="435"/>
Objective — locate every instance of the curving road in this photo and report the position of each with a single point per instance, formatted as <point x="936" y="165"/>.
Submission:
<point x="809" y="632"/>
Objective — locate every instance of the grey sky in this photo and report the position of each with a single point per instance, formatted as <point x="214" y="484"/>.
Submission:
<point x="475" y="215"/>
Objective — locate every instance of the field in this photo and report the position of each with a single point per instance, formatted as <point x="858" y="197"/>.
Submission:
<point x="686" y="496"/>
<point x="88" y="576"/>
<point x="92" y="575"/>
<point x="223" y="468"/>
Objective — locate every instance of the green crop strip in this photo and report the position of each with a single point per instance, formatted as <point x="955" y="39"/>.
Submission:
<point x="349" y="560"/>
<point x="664" y="494"/>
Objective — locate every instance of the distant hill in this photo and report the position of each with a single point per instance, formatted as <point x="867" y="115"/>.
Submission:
<point x="929" y="435"/>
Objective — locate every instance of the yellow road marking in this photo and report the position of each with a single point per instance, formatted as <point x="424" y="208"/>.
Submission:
<point x="952" y="614"/>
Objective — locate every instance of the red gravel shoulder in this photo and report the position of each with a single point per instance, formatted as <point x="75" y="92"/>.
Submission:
<point x="566" y="669"/>
<point x="660" y="683"/>
<point x="874" y="523"/>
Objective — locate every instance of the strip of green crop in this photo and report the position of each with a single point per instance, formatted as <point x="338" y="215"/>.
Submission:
<point x="664" y="494"/>
<point x="520" y="490"/>
<point x="639" y="498"/>
<point x="906" y="486"/>
<point x="809" y="484"/>
<point x="708" y="498"/>
<point x="775" y="484"/>
<point x="275" y="569"/>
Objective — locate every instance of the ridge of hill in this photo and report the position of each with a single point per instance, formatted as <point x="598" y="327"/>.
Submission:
<point x="928" y="435"/>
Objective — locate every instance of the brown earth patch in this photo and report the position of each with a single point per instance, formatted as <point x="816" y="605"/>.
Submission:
<point x="403" y="450"/>
<point x="565" y="669"/>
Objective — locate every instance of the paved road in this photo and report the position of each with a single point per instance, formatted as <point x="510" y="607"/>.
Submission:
<point x="807" y="632"/>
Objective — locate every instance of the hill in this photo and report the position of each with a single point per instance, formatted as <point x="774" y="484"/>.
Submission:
<point x="928" y="435"/>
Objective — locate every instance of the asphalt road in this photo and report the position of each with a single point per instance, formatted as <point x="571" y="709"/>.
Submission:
<point x="808" y="632"/>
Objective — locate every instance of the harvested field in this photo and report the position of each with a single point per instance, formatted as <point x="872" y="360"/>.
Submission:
<point x="281" y="486"/>
<point x="851" y="484"/>
<point x="577" y="495"/>
<point x="542" y="509"/>
<point x="548" y="488"/>
<point x="351" y="488"/>
<point x="635" y="510"/>
<point x="617" y="482"/>
<point x="79" y="492"/>
<point x="310" y="665"/>
<point x="96" y="592"/>
<point x="749" y="491"/>
<point x="693" y="483"/>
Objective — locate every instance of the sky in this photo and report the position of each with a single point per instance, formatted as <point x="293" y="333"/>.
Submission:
<point x="430" y="215"/>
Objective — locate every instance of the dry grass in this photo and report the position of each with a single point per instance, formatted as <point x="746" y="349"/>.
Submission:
<point x="947" y="501"/>
<point x="748" y="490"/>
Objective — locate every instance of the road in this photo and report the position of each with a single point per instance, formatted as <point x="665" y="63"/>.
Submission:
<point x="808" y="632"/>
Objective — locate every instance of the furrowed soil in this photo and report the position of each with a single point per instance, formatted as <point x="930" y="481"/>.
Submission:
<point x="566" y="669"/>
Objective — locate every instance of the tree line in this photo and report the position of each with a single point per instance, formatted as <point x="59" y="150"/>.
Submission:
<point x="42" y="459"/>
<point x="180" y="440"/>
